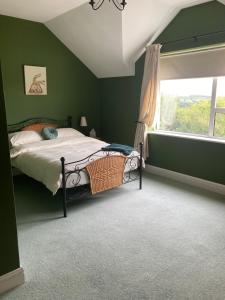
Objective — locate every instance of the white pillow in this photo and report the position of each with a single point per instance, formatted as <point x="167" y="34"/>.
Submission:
<point x="69" y="132"/>
<point x="24" y="137"/>
<point x="10" y="135"/>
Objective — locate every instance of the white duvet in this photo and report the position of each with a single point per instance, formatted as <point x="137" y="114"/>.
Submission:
<point x="41" y="160"/>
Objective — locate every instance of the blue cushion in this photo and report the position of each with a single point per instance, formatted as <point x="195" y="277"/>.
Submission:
<point x="49" y="133"/>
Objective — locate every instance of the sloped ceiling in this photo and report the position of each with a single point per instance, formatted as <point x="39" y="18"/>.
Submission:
<point x="39" y="11"/>
<point x="107" y="41"/>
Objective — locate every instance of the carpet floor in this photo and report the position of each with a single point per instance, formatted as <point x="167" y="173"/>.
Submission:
<point x="164" y="242"/>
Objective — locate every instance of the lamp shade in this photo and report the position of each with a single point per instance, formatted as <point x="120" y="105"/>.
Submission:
<point x="83" y="121"/>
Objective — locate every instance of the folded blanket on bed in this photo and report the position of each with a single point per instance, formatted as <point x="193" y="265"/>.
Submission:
<point x="126" y="150"/>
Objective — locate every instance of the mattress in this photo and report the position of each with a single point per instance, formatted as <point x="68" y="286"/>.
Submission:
<point x="41" y="160"/>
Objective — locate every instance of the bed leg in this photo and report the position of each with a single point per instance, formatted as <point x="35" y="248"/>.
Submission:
<point x="141" y="166"/>
<point x="64" y="186"/>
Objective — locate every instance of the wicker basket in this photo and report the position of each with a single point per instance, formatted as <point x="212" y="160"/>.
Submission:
<point x="106" y="173"/>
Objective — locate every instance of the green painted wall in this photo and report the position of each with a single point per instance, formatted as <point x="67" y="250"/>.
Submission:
<point x="192" y="157"/>
<point x="9" y="257"/>
<point x="120" y="101"/>
<point x="197" y="20"/>
<point x="72" y="88"/>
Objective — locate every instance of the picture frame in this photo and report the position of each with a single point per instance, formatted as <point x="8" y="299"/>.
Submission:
<point x="35" y="78"/>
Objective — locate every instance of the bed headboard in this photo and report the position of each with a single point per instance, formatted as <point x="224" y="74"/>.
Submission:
<point x="47" y="121"/>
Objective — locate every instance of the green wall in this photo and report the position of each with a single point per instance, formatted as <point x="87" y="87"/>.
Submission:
<point x="120" y="101"/>
<point x="192" y="157"/>
<point x="72" y="88"/>
<point x="9" y="257"/>
<point x="197" y="20"/>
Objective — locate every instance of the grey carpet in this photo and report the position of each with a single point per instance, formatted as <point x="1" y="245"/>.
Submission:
<point x="165" y="242"/>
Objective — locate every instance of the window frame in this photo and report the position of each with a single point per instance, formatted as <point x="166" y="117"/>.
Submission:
<point x="213" y="111"/>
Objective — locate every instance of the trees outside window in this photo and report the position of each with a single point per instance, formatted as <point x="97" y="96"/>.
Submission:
<point x="193" y="106"/>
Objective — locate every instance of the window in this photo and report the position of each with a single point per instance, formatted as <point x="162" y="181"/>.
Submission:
<point x="193" y="106"/>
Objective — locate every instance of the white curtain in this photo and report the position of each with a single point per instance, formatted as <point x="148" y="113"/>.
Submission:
<point x="149" y="91"/>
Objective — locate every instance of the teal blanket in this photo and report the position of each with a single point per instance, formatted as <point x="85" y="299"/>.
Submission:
<point x="126" y="150"/>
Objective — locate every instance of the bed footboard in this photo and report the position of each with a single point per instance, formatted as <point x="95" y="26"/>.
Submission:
<point x="107" y="172"/>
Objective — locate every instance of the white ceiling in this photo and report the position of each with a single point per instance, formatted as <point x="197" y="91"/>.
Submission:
<point x="95" y="37"/>
<point x="107" y="41"/>
<point x="37" y="10"/>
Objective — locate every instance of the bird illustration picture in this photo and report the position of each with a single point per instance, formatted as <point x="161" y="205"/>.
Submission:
<point x="36" y="85"/>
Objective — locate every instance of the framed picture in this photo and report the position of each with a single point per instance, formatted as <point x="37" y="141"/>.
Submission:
<point x="35" y="80"/>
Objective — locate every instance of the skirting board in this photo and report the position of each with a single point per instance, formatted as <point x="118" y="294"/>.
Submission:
<point x="11" y="280"/>
<point x="190" y="180"/>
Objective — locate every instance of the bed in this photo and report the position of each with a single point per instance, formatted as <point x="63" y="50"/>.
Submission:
<point x="70" y="162"/>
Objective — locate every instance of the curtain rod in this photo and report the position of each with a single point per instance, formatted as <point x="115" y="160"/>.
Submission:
<point x="194" y="37"/>
<point x="193" y="50"/>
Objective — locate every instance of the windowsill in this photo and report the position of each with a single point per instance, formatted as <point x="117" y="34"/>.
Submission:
<point x="188" y="136"/>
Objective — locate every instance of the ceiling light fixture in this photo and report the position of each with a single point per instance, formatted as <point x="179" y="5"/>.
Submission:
<point x="119" y="5"/>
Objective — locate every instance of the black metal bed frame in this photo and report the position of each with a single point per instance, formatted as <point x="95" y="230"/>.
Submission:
<point x="134" y="163"/>
<point x="19" y="126"/>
